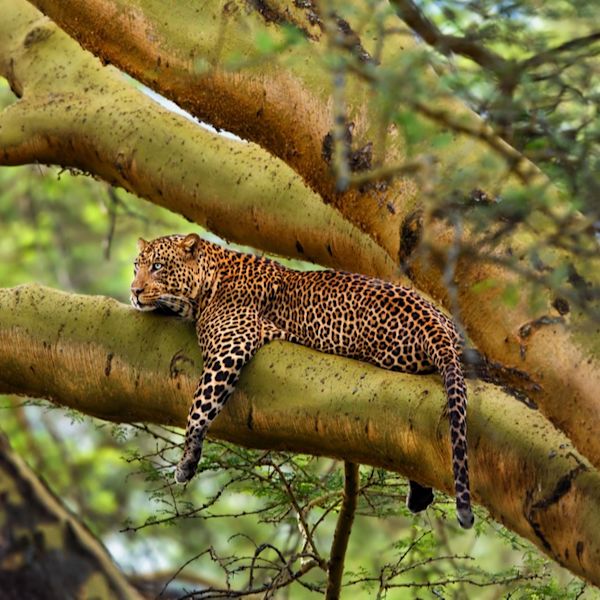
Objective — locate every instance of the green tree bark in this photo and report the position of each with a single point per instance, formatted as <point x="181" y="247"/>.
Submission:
<point x="286" y="107"/>
<point x="45" y="551"/>
<point x="92" y="354"/>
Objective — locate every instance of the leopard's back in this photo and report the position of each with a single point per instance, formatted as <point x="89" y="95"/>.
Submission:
<point x="388" y="325"/>
<point x="360" y="317"/>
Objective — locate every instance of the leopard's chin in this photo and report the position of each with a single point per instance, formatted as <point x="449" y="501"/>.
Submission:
<point x="141" y="306"/>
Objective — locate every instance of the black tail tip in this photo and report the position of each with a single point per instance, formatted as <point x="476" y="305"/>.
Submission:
<point x="465" y="517"/>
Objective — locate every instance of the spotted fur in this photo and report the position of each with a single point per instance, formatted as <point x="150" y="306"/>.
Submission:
<point x="239" y="302"/>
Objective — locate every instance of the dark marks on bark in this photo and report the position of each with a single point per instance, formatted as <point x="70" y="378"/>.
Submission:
<point x="108" y="365"/>
<point x="531" y="508"/>
<point x="274" y="14"/>
<point x="526" y="330"/>
<point x="511" y="380"/>
<point x="36" y="35"/>
<point x="561" y="306"/>
<point x="411" y="232"/>
<point x="176" y="366"/>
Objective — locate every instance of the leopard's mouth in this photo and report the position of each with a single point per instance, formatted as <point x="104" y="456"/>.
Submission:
<point x="138" y="305"/>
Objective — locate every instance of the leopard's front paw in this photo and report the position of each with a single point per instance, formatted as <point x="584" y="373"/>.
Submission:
<point x="186" y="469"/>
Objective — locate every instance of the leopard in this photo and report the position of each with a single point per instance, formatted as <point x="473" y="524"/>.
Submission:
<point x="241" y="301"/>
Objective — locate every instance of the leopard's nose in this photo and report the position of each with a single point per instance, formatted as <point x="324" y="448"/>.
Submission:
<point x="136" y="291"/>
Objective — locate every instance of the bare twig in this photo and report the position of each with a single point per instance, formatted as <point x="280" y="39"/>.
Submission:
<point x="302" y="521"/>
<point x="518" y="163"/>
<point x="420" y="164"/>
<point x="551" y="54"/>
<point x="341" y="167"/>
<point x="412" y="15"/>
<point x="507" y="71"/>
<point x="112" y="219"/>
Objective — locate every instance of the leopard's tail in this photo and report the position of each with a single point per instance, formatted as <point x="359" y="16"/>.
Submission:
<point x="445" y="357"/>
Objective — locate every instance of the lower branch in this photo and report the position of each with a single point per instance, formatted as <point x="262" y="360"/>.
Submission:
<point x="342" y="530"/>
<point x="105" y="359"/>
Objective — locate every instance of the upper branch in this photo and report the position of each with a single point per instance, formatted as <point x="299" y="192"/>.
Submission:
<point x="77" y="113"/>
<point x="208" y="62"/>
<point x="414" y="17"/>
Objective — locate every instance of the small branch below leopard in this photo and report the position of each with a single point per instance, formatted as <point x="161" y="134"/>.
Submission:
<point x="305" y="529"/>
<point x="342" y="530"/>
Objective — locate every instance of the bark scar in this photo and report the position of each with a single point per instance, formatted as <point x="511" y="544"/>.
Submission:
<point x="530" y="327"/>
<point x="562" y="487"/>
<point x="175" y="366"/>
<point x="108" y="365"/>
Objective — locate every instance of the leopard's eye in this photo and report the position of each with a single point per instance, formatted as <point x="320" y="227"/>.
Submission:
<point x="157" y="266"/>
<point x="135" y="268"/>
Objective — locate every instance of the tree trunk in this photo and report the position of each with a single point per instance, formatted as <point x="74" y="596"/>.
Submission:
<point x="102" y="358"/>
<point x="45" y="551"/>
<point x="118" y="134"/>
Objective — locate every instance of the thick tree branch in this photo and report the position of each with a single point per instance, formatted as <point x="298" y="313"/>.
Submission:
<point x="45" y="551"/>
<point x="107" y="360"/>
<point x="79" y="114"/>
<point x="284" y="104"/>
<point x="342" y="530"/>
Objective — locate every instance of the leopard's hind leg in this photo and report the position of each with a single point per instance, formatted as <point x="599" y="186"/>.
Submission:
<point x="419" y="497"/>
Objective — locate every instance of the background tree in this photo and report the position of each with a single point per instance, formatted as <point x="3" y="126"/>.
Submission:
<point x="386" y="170"/>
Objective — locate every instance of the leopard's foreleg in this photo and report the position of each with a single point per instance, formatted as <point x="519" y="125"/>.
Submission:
<point x="228" y="342"/>
<point x="216" y="385"/>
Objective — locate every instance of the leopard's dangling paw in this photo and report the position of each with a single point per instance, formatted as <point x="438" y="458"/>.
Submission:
<point x="465" y="517"/>
<point x="186" y="469"/>
<point x="183" y="475"/>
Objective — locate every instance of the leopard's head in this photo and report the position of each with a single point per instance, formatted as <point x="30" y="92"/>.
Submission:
<point x="167" y="274"/>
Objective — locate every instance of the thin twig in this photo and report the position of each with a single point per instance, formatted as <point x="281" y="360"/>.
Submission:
<point x="387" y="172"/>
<point x="302" y="521"/>
<point x="340" y="156"/>
<point x="414" y="17"/>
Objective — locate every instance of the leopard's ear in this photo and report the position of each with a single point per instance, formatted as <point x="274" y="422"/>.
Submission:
<point x="191" y="243"/>
<point x="142" y="244"/>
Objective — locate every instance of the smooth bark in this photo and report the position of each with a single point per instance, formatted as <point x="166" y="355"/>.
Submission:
<point x="105" y="359"/>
